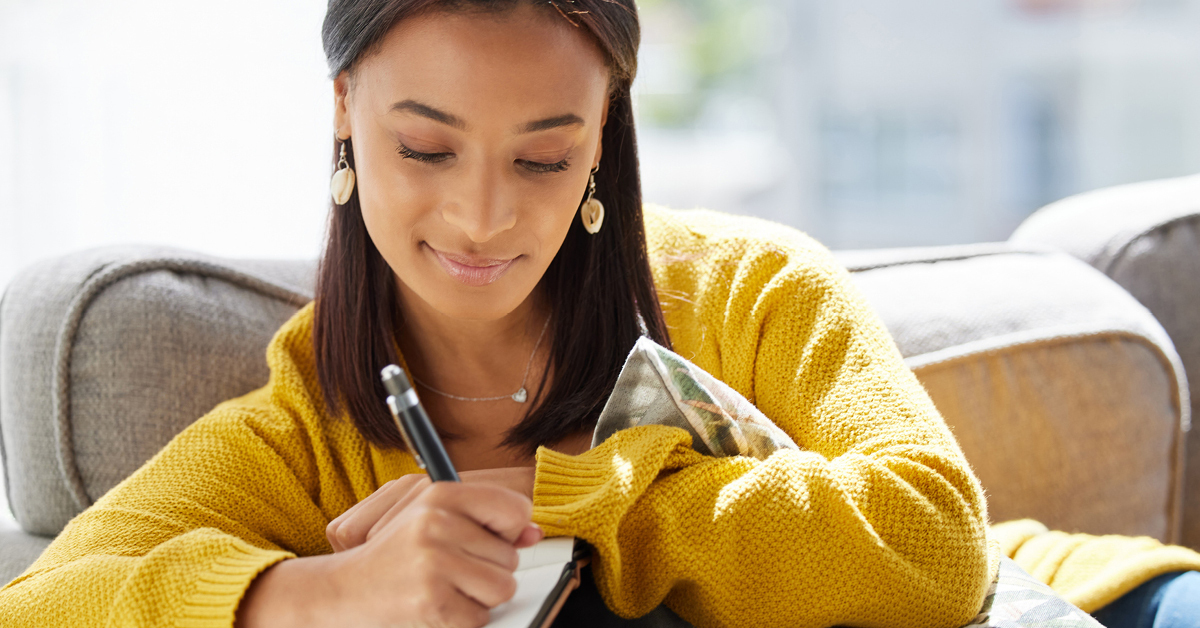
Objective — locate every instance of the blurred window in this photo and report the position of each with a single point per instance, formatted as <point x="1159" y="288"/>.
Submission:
<point x="909" y="122"/>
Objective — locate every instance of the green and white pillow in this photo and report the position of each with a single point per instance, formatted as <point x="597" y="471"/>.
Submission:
<point x="658" y="387"/>
<point x="1018" y="600"/>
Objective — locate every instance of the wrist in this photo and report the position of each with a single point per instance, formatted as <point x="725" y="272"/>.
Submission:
<point x="293" y="592"/>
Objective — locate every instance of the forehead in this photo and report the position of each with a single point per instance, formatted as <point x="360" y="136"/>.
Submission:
<point x="487" y="63"/>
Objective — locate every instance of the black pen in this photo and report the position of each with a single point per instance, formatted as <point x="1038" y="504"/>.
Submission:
<point x="416" y="430"/>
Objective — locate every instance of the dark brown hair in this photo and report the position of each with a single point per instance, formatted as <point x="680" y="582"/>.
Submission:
<point x="599" y="286"/>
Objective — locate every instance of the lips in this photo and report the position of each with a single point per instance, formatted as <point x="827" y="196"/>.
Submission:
<point x="472" y="270"/>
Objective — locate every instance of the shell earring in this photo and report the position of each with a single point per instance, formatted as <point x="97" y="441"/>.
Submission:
<point x="592" y="210"/>
<point x="342" y="184"/>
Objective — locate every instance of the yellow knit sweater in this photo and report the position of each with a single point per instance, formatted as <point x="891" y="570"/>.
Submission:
<point x="1086" y="570"/>
<point x="877" y="520"/>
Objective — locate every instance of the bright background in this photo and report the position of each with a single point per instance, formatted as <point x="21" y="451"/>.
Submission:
<point x="207" y="125"/>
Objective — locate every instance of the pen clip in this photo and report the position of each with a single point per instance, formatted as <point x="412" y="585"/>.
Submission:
<point x="408" y="442"/>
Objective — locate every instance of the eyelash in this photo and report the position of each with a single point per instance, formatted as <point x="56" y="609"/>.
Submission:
<point x="433" y="158"/>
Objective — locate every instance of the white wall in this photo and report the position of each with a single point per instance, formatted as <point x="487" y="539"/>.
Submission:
<point x="205" y="125"/>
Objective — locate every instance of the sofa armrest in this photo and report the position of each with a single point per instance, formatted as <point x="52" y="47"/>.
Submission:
<point x="1146" y="237"/>
<point x="1063" y="391"/>
<point x="106" y="354"/>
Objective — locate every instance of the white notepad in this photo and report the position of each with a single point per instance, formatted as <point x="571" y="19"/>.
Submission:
<point x="539" y="575"/>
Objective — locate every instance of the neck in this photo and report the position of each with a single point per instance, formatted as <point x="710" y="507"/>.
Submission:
<point x="472" y="358"/>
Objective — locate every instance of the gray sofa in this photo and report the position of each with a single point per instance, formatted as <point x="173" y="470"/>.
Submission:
<point x="1066" y="393"/>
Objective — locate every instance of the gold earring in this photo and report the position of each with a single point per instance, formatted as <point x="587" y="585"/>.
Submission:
<point x="342" y="184"/>
<point x="592" y="210"/>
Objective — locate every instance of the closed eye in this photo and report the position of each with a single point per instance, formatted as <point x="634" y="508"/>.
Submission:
<point x="539" y="167"/>
<point x="433" y="158"/>
<point x="429" y="158"/>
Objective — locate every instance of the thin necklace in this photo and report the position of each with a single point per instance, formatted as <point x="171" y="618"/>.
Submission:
<point x="520" y="396"/>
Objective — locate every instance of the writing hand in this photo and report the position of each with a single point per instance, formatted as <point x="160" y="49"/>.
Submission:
<point x="358" y="524"/>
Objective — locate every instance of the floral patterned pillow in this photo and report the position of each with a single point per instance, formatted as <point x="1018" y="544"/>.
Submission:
<point x="1018" y="600"/>
<point x="657" y="386"/>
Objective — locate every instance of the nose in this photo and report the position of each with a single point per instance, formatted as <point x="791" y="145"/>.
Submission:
<point x="480" y="208"/>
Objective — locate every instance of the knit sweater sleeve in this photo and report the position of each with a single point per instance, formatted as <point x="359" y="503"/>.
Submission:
<point x="876" y="520"/>
<point x="178" y="542"/>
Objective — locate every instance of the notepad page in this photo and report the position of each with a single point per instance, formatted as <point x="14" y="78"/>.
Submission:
<point x="552" y="551"/>
<point x="539" y="569"/>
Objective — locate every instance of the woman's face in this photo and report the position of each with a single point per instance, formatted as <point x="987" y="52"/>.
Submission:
<point x="473" y="137"/>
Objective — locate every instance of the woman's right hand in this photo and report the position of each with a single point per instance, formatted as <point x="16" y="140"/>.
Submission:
<point x="444" y="560"/>
<point x="353" y="527"/>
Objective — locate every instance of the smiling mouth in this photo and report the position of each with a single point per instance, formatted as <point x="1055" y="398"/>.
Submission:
<point x="472" y="271"/>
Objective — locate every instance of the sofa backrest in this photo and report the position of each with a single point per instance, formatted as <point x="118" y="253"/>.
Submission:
<point x="1064" y="392"/>
<point x="1146" y="237"/>
<point x="106" y="354"/>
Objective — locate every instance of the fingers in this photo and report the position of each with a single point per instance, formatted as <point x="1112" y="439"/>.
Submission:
<point x="451" y="542"/>
<point x="453" y="530"/>
<point x="352" y="527"/>
<point x="445" y="545"/>
<point x="525" y="537"/>
<point x="397" y="509"/>
<point x="487" y="583"/>
<point x="503" y="511"/>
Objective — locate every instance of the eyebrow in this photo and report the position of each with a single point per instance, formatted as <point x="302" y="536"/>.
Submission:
<point x="451" y="120"/>
<point x="556" y="122"/>
<point x="425" y="111"/>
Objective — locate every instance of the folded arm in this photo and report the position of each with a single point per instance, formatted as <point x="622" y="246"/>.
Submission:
<point x="878" y="520"/>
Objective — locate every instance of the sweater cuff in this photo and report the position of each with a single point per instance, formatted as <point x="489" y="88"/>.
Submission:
<point x="219" y="590"/>
<point x="585" y="495"/>
<point x="562" y="484"/>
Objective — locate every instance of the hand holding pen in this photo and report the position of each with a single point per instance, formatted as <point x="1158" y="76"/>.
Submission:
<point x="413" y="552"/>
<point x="357" y="525"/>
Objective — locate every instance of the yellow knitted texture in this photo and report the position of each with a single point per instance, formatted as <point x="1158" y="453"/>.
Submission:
<point x="876" y="521"/>
<point x="1090" y="571"/>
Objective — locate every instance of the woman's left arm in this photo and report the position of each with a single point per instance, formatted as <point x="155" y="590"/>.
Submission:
<point x="877" y="520"/>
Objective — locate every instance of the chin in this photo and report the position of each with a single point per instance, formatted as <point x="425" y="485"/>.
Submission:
<point x="489" y="303"/>
<point x="475" y="309"/>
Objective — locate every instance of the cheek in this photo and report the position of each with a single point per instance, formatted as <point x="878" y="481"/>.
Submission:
<point x="549" y="212"/>
<point x="390" y="202"/>
<point x="560" y="204"/>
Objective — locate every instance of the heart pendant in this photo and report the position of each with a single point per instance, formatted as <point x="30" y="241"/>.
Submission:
<point x="520" y="395"/>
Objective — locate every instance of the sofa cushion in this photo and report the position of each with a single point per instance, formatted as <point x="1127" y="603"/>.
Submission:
<point x="18" y="550"/>
<point x="1063" y="391"/>
<point x="1146" y="237"/>
<point x="106" y="354"/>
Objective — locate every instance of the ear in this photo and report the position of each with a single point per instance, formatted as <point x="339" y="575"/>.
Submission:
<point x="603" y="121"/>
<point x="341" y="116"/>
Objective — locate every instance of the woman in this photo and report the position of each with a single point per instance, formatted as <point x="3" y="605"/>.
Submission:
<point x="458" y="248"/>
